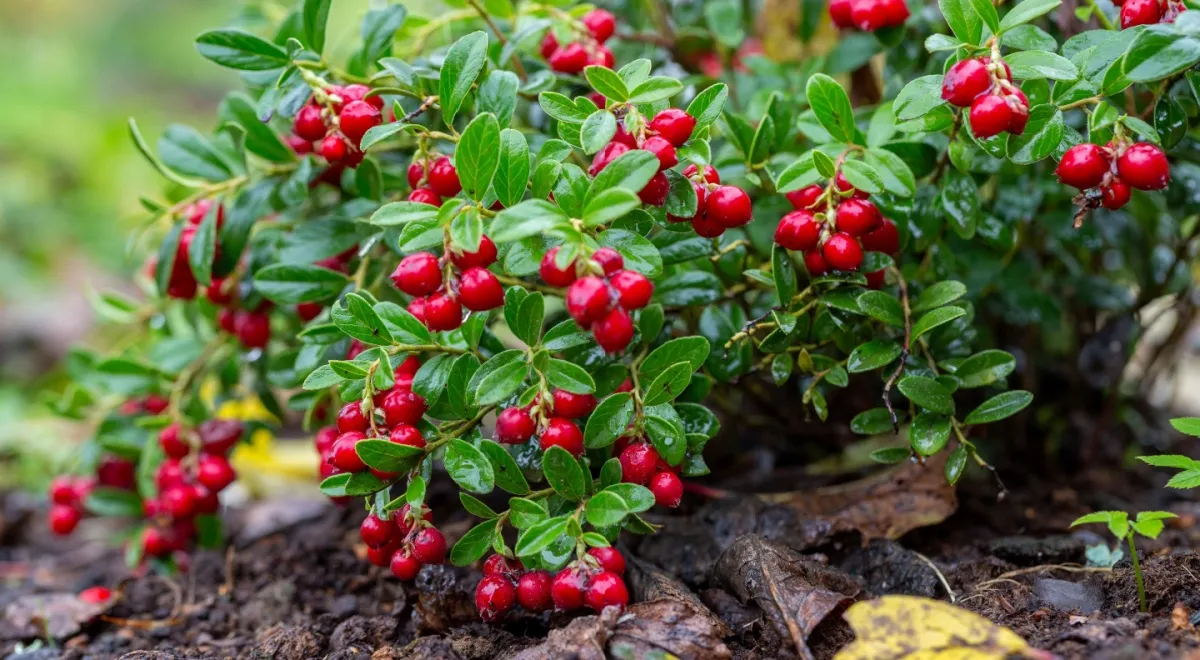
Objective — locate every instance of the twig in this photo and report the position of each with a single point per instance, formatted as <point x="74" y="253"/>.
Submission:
<point x="904" y="353"/>
<point x="516" y="60"/>
<point x="941" y="578"/>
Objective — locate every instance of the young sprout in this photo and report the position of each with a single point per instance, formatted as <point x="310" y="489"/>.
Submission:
<point x="1147" y="523"/>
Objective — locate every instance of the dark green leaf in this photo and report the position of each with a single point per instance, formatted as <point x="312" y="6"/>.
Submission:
<point x="468" y="467"/>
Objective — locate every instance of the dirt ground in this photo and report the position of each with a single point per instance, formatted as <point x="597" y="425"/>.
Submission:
<point x="729" y="576"/>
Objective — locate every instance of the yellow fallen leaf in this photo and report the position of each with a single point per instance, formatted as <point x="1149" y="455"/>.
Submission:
<point x="913" y="628"/>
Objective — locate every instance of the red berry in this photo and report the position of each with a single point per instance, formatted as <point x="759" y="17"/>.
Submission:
<point x="416" y="172"/>
<point x="481" y="258"/>
<point x="609" y="259"/>
<point x="219" y="436"/>
<point x="334" y="148"/>
<point x="356" y="118"/>
<point x="1083" y="166"/>
<point x="1018" y="103"/>
<point x="667" y="489"/>
<point x="299" y="145"/>
<point x="573" y="406"/>
<point x="405" y="518"/>
<point x="533" y="591"/>
<point x="607" y="590"/>
<point x="588" y="300"/>
<point x="425" y="196"/>
<point x="1144" y="166"/>
<point x="549" y="44"/>
<point x="309" y="311"/>
<point x="815" y="264"/>
<point x="357" y="92"/>
<point x="799" y="231"/>
<point x="633" y="289"/>
<point x="63" y="518"/>
<point x="710" y="173"/>
<point x="857" y="217"/>
<point x="429" y="546"/>
<point x="623" y="136"/>
<point x="343" y="455"/>
<point x="377" y="532"/>
<point x="214" y="472"/>
<point x="655" y="191"/>
<point x="351" y="418"/>
<point x="417" y="309"/>
<point x="308" y="124"/>
<point x="62" y="491"/>
<point x="707" y="226"/>
<point x="220" y="292"/>
<point x="407" y="434"/>
<point x="95" y="595"/>
<point x="806" y="198"/>
<point x="614" y="331"/>
<point x="170" y="473"/>
<point x="552" y="274"/>
<point x="569" y="59"/>
<point x="383" y="556"/>
<point x="964" y="81"/>
<point x="885" y="239"/>
<point x="409" y="366"/>
<point x="501" y="565"/>
<point x="178" y="502"/>
<point x="842" y="252"/>
<point x="173" y="445"/>
<point x="895" y="12"/>
<point x="403" y="407"/>
<point x="479" y="290"/>
<point x="116" y="472"/>
<point x="674" y="125"/>
<point x="405" y="566"/>
<point x="1116" y="194"/>
<point x="494" y="596"/>
<point x="325" y="438"/>
<point x="566" y="590"/>
<point x="638" y="462"/>
<point x="602" y="56"/>
<point x="663" y="150"/>
<point x="990" y="115"/>
<point x="839" y="13"/>
<point x="561" y="432"/>
<point x="418" y="274"/>
<point x="1140" y="12"/>
<point x="443" y="178"/>
<point x="868" y="15"/>
<point x="729" y="206"/>
<point x="514" y="426"/>
<point x="600" y="23"/>
<point x="610" y="559"/>
<point x="442" y="312"/>
<point x="156" y="542"/>
<point x="606" y="155"/>
<point x="253" y="329"/>
<point x="155" y="404"/>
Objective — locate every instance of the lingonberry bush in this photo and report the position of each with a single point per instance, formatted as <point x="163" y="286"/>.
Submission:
<point x="520" y="245"/>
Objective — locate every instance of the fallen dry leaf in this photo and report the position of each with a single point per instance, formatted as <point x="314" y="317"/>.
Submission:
<point x="884" y="505"/>
<point x="648" y="582"/>
<point x="583" y="639"/>
<point x="910" y="627"/>
<point x="795" y="593"/>
<point x="668" y="628"/>
<point x="57" y="615"/>
<point x="1181" y="619"/>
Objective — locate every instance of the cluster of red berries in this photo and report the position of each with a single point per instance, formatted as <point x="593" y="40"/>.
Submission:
<point x="401" y="409"/>
<point x="1115" y="168"/>
<point x="252" y="327"/>
<point x="432" y="179"/>
<point x="596" y="581"/>
<point x="338" y="125"/>
<point x="1148" y="12"/>
<point x="516" y="426"/>
<point x="718" y="207"/>
<point x="857" y="226"/>
<point x="600" y="302"/>
<point x="68" y="493"/>
<point x="589" y="49"/>
<point x="868" y="15"/>
<point x="182" y="283"/>
<point x="641" y="464"/>
<point x="195" y="470"/>
<point x="404" y="540"/>
<point x="997" y="105"/>
<point x="440" y="293"/>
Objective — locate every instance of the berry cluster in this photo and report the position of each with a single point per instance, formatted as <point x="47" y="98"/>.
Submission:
<point x="595" y="581"/>
<point x="404" y="540"/>
<point x="598" y="26"/>
<point x="252" y="327"/>
<point x="182" y="282"/>
<point x="1114" y="168"/>
<point x="195" y="470"/>
<point x="1148" y="12"/>
<point x="336" y="118"/>
<point x="837" y="239"/>
<point x="868" y="15"/>
<point x="718" y="207"/>
<point x="432" y="179"/>
<point x="441" y="288"/>
<point x="401" y="410"/>
<point x="600" y="293"/>
<point x="516" y="426"/>
<point x="985" y="84"/>
<point x="641" y="464"/>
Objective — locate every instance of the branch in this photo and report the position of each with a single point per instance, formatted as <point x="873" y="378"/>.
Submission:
<point x="516" y="60"/>
<point x="891" y="381"/>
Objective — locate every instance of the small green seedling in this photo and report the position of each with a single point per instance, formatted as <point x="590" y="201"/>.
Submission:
<point x="1147" y="523"/>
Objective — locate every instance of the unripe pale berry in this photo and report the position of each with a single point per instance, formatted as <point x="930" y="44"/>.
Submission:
<point x="418" y="274"/>
<point x="842" y="252"/>
<point x="562" y="432"/>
